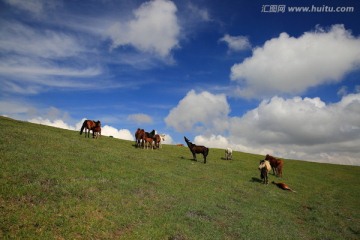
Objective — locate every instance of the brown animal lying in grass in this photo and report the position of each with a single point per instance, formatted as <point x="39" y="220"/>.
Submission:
<point x="283" y="186"/>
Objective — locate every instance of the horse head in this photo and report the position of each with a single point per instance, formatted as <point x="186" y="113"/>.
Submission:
<point x="188" y="142"/>
<point x="264" y="164"/>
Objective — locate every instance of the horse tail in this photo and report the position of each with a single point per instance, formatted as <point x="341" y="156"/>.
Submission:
<point x="83" y="126"/>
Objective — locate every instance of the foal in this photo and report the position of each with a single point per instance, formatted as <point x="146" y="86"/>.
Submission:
<point x="148" y="141"/>
<point x="264" y="168"/>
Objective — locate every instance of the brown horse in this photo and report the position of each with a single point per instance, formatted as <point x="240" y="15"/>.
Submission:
<point x="283" y="186"/>
<point x="89" y="125"/>
<point x="139" y="137"/>
<point x="157" y="140"/>
<point x="197" y="149"/>
<point x="148" y="142"/>
<point x="276" y="165"/>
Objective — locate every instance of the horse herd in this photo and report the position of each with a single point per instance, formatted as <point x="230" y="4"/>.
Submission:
<point x="151" y="140"/>
<point x="148" y="139"/>
<point x="143" y="139"/>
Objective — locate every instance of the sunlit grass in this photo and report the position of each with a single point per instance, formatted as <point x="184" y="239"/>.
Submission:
<point x="56" y="184"/>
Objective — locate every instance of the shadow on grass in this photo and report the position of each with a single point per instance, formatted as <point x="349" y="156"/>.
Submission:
<point x="257" y="180"/>
<point x="189" y="159"/>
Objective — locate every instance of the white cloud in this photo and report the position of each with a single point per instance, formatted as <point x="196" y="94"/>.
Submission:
<point x="58" y="123"/>
<point x="117" y="133"/>
<point x="140" y="118"/>
<point x="199" y="110"/>
<point x="215" y="141"/>
<point x="236" y="43"/>
<point x="154" y="29"/>
<point x="292" y="65"/>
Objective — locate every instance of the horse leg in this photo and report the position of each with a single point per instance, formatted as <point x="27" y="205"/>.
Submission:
<point x="194" y="156"/>
<point x="266" y="178"/>
<point x="204" y="158"/>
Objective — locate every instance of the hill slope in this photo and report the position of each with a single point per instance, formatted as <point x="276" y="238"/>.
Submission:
<point x="56" y="184"/>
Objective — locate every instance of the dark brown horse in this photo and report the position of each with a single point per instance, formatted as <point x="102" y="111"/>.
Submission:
<point x="139" y="137"/>
<point x="197" y="149"/>
<point x="157" y="141"/>
<point x="276" y="165"/>
<point x="89" y="125"/>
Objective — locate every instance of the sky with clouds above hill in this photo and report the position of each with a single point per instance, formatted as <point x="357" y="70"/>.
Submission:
<point x="256" y="76"/>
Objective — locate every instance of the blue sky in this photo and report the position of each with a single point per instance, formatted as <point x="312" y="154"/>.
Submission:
<point x="250" y="75"/>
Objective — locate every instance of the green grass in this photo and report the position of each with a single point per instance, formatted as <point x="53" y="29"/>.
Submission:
<point x="55" y="184"/>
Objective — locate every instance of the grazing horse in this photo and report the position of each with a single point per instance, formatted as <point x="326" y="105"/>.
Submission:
<point x="283" y="186"/>
<point x="89" y="125"/>
<point x="276" y="165"/>
<point x="197" y="149"/>
<point x="228" y="153"/>
<point x="139" y="137"/>
<point x="264" y="167"/>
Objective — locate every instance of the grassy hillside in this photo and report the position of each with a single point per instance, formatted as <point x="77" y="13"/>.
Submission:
<point x="55" y="184"/>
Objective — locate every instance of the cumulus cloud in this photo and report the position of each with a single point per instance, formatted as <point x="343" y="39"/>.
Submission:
<point x="140" y="118"/>
<point x="298" y="121"/>
<point x="197" y="110"/>
<point x="117" y="133"/>
<point x="216" y="141"/>
<point x="154" y="29"/>
<point x="291" y="65"/>
<point x="58" y="123"/>
<point x="236" y="43"/>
